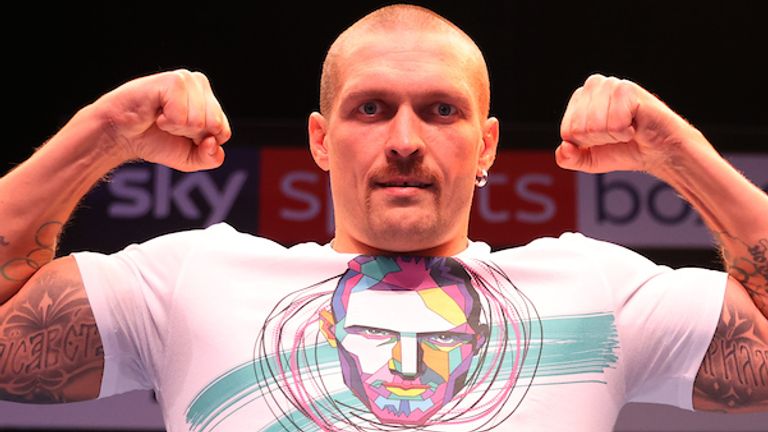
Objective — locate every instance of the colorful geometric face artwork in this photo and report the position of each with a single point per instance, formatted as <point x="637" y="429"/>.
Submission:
<point x="396" y="343"/>
<point x="414" y="341"/>
<point x="406" y="331"/>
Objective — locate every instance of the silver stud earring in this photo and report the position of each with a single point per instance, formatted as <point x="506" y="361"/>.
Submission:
<point x="482" y="179"/>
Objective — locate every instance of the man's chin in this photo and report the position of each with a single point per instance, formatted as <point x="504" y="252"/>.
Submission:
<point x="415" y="418"/>
<point x="408" y="229"/>
<point x="392" y="410"/>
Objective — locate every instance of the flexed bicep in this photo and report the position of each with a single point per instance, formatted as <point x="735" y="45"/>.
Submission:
<point x="50" y="347"/>
<point x="733" y="376"/>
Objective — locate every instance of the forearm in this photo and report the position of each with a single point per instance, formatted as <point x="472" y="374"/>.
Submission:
<point x="38" y="196"/>
<point x="733" y="208"/>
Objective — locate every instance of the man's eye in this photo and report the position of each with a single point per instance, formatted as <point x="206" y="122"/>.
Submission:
<point x="449" y="339"/>
<point x="445" y="110"/>
<point x="369" y="108"/>
<point x="444" y="338"/>
<point x="371" y="332"/>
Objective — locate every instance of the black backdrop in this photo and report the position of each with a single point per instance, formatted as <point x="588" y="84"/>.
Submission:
<point x="705" y="59"/>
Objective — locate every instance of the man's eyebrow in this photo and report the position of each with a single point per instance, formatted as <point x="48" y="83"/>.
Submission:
<point x="366" y="94"/>
<point x="453" y="97"/>
<point x="457" y="98"/>
<point x="362" y="326"/>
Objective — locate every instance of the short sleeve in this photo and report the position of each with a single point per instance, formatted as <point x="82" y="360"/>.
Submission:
<point x="668" y="324"/>
<point x="666" y="319"/>
<point x="131" y="294"/>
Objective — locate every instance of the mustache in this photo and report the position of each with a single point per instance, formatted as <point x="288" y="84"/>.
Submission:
<point x="391" y="171"/>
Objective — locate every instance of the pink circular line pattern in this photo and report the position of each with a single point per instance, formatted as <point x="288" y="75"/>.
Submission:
<point x="492" y="391"/>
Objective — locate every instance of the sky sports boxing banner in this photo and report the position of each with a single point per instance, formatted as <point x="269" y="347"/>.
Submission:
<point x="279" y="193"/>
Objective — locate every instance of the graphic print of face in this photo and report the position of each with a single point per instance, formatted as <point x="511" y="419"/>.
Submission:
<point x="406" y="330"/>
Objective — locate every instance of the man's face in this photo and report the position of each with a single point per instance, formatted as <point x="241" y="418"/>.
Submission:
<point x="405" y="139"/>
<point x="405" y="354"/>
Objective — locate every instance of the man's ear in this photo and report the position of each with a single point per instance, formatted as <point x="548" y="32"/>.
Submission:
<point x="327" y="323"/>
<point x="317" y="132"/>
<point x="490" y="143"/>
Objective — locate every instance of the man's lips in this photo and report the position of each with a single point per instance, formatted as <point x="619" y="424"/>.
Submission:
<point x="403" y="183"/>
<point x="406" y="390"/>
<point x="406" y="386"/>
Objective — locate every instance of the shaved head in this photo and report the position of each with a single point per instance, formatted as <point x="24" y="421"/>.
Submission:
<point x="400" y="17"/>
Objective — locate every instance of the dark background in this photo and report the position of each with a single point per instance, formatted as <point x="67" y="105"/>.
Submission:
<point x="705" y="59"/>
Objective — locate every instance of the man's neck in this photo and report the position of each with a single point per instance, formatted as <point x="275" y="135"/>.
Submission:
<point x="450" y="248"/>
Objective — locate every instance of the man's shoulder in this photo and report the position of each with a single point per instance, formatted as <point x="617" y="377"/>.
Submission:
<point x="224" y="235"/>
<point x="576" y="251"/>
<point x="565" y="241"/>
<point x="216" y="239"/>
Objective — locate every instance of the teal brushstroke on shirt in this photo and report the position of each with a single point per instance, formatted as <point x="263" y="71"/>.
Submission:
<point x="570" y="345"/>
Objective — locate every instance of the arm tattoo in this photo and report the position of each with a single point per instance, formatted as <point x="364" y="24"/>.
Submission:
<point x="748" y="264"/>
<point x="18" y="269"/>
<point x="50" y="348"/>
<point x="734" y="372"/>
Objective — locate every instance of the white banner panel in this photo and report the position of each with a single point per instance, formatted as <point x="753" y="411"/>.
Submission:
<point x="637" y="210"/>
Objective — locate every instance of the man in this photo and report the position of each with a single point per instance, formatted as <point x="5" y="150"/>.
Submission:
<point x="405" y="370"/>
<point x="404" y="132"/>
<point x="414" y="337"/>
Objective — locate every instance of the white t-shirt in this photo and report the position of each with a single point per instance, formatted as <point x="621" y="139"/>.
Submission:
<point x="238" y="333"/>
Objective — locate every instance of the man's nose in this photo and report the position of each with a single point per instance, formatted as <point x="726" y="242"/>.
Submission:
<point x="404" y="139"/>
<point x="405" y="356"/>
